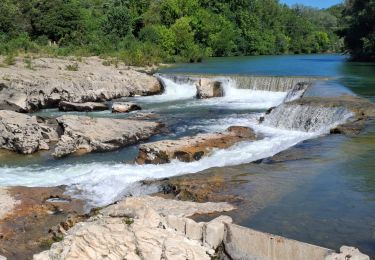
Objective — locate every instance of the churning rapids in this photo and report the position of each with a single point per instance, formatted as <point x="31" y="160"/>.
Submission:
<point x="102" y="182"/>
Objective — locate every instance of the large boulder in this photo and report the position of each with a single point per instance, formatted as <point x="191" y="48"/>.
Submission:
<point x="124" y="107"/>
<point x="86" y="134"/>
<point x="209" y="88"/>
<point x="82" y="107"/>
<point x="190" y="149"/>
<point x="51" y="81"/>
<point x="22" y="133"/>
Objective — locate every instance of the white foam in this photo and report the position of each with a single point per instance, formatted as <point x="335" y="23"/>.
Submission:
<point x="103" y="183"/>
<point x="172" y="92"/>
<point x="239" y="99"/>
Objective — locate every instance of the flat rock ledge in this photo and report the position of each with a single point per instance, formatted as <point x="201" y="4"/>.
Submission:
<point x="209" y="88"/>
<point x="82" y="107"/>
<point x="24" y="134"/>
<point x="156" y="228"/>
<point x="124" y="107"/>
<point x="85" y="134"/>
<point x="190" y="149"/>
<point x="51" y="80"/>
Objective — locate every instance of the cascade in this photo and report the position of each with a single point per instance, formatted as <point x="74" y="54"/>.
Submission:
<point x="307" y="118"/>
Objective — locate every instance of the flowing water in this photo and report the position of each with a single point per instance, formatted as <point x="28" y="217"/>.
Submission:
<point x="324" y="193"/>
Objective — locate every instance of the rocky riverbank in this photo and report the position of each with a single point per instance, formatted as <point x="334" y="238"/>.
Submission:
<point x="45" y="82"/>
<point x="135" y="228"/>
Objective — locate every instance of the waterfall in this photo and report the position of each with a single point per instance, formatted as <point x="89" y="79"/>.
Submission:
<point x="261" y="83"/>
<point x="174" y="90"/>
<point x="306" y="118"/>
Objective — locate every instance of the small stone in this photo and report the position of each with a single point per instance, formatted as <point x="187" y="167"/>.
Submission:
<point x="82" y="107"/>
<point x="124" y="107"/>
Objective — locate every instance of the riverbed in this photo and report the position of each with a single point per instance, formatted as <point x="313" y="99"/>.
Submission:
<point x="323" y="194"/>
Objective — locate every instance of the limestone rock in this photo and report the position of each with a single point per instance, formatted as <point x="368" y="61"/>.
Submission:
<point x="214" y="231"/>
<point x="124" y="107"/>
<point x="145" y="234"/>
<point x="209" y="88"/>
<point x="190" y="149"/>
<point x="131" y="207"/>
<point x="347" y="252"/>
<point x="22" y="133"/>
<point x="87" y="134"/>
<point x="82" y="107"/>
<point x="49" y="83"/>
<point x="193" y="230"/>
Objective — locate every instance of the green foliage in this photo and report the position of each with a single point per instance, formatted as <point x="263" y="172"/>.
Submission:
<point x="10" y="59"/>
<point x="141" y="32"/>
<point x="56" y="19"/>
<point x="72" y="67"/>
<point x="359" y="36"/>
<point x="118" y="20"/>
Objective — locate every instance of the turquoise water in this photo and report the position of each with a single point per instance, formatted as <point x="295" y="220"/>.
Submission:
<point x="324" y="191"/>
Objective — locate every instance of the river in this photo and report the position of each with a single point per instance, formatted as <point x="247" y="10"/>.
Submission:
<point x="324" y="193"/>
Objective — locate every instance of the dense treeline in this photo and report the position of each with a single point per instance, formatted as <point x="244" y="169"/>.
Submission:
<point x="359" y="34"/>
<point x="149" y="31"/>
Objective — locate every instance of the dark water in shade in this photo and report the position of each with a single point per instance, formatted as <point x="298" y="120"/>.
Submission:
<point x="324" y="193"/>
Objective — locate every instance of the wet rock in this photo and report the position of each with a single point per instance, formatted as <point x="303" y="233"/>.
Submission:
<point x="22" y="133"/>
<point x="49" y="83"/>
<point x="190" y="149"/>
<point x="343" y="114"/>
<point x="85" y="134"/>
<point x="209" y="88"/>
<point x="82" y="107"/>
<point x="124" y="107"/>
<point x="297" y="91"/>
<point x="347" y="252"/>
<point x="145" y="233"/>
<point x="34" y="222"/>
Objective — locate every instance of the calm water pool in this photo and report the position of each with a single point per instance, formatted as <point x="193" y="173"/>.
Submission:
<point x="327" y="195"/>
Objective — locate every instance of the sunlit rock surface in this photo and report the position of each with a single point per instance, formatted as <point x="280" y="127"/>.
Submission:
<point x="50" y="81"/>
<point x="190" y="149"/>
<point x="86" y="134"/>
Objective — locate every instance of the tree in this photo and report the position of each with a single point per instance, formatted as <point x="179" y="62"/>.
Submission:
<point x="56" y="18"/>
<point x="118" y="20"/>
<point x="8" y="11"/>
<point x="359" y="36"/>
